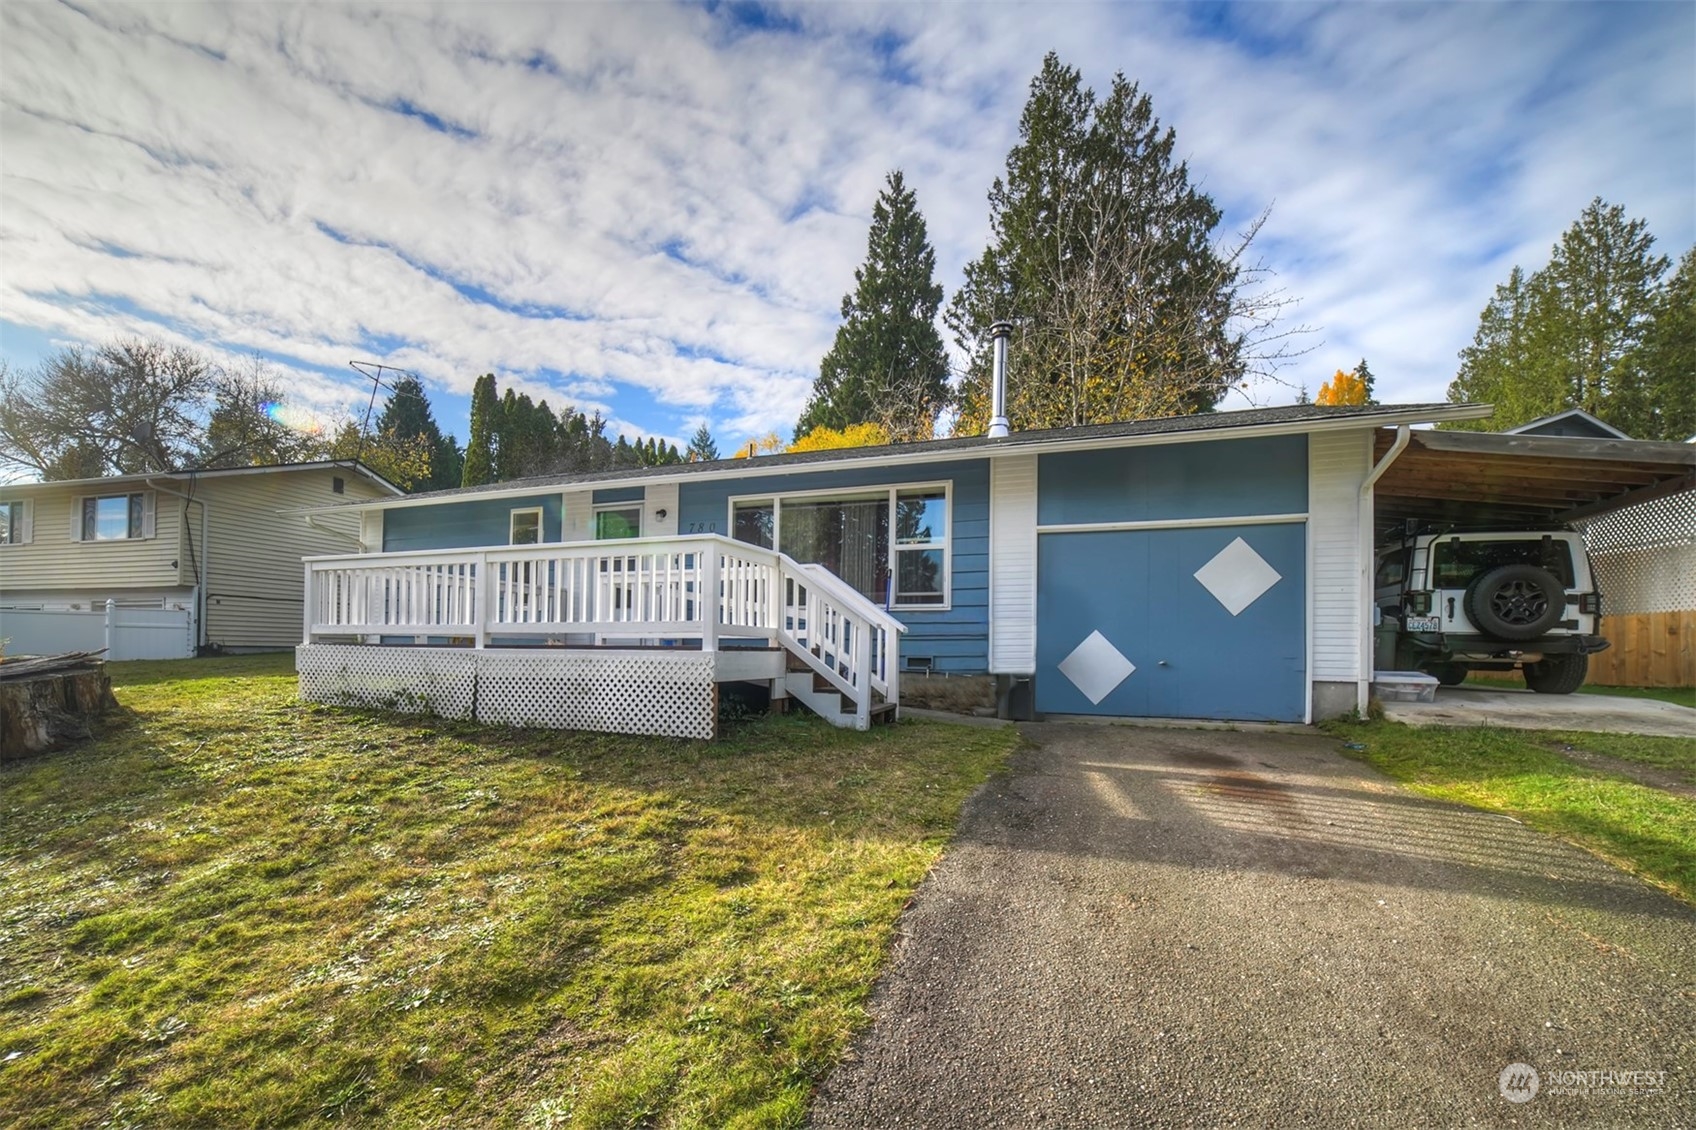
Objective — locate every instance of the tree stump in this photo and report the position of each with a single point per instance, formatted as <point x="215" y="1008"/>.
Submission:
<point x="50" y="711"/>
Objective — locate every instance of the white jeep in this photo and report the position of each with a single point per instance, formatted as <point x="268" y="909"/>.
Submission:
<point x="1451" y="602"/>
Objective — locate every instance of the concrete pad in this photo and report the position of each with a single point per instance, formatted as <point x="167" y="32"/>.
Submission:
<point x="1515" y="708"/>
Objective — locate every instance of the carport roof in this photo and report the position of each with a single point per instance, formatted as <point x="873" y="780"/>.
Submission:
<point x="1489" y="479"/>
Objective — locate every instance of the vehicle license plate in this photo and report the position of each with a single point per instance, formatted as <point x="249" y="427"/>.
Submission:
<point x="1424" y="623"/>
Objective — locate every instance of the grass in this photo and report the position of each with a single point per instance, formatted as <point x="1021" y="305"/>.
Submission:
<point x="237" y="910"/>
<point x="1529" y="775"/>
<point x="1678" y="696"/>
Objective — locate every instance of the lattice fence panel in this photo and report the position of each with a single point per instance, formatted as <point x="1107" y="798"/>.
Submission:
<point x="416" y="680"/>
<point x="619" y="692"/>
<point x="1645" y="556"/>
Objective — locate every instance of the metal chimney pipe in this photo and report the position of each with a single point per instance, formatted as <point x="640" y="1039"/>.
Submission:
<point x="998" y="426"/>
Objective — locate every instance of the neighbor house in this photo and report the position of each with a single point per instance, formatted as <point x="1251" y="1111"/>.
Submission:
<point x="1208" y="566"/>
<point x="189" y="559"/>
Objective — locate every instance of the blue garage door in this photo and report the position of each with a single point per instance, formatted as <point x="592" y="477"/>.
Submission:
<point x="1185" y="623"/>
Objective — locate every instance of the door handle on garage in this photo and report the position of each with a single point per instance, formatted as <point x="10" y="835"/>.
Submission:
<point x="1162" y="663"/>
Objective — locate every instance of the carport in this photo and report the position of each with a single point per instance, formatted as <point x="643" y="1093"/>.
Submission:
<point x="1490" y="479"/>
<point x="1634" y="499"/>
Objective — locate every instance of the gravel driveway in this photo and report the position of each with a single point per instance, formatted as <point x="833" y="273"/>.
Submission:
<point x="1144" y="927"/>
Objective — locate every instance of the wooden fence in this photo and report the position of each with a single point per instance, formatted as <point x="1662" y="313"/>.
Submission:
<point x="1650" y="649"/>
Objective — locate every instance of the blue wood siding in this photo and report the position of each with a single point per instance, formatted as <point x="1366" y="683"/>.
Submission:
<point x="461" y="525"/>
<point x="955" y="640"/>
<point x="1214" y="479"/>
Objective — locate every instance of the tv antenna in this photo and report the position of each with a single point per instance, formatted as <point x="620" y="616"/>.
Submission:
<point x="373" y="372"/>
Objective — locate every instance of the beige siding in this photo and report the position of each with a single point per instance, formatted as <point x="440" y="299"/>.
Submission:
<point x="1337" y="465"/>
<point x="53" y="562"/>
<point x="253" y="593"/>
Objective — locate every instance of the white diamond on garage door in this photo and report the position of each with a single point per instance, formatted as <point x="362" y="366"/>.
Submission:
<point x="1096" y="667"/>
<point x="1237" y="576"/>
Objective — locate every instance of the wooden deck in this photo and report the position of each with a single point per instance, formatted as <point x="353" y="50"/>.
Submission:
<point x="594" y="635"/>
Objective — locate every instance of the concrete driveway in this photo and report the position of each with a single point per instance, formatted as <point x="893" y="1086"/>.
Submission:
<point x="1177" y="927"/>
<point x="1520" y="709"/>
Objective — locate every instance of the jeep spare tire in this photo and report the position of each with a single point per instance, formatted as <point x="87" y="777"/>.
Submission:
<point x="1516" y="602"/>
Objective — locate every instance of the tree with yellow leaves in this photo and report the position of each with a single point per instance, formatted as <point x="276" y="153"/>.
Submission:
<point x="819" y="439"/>
<point x="1342" y="389"/>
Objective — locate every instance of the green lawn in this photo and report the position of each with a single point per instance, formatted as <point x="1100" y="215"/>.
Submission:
<point x="236" y="910"/>
<point x="1528" y="774"/>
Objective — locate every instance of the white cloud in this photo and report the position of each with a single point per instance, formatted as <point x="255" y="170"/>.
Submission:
<point x="654" y="212"/>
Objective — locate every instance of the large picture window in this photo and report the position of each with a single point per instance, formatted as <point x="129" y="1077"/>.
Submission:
<point x="891" y="544"/>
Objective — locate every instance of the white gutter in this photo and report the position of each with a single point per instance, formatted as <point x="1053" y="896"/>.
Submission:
<point x="203" y="560"/>
<point x="1016" y="444"/>
<point x="343" y="534"/>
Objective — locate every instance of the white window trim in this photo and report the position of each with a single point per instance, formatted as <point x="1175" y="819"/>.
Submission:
<point x="149" y="517"/>
<point x="22" y="523"/>
<point x="512" y="524"/>
<point x="600" y="508"/>
<point x="862" y="494"/>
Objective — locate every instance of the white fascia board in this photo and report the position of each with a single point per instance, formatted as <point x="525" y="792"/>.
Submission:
<point x="1009" y="446"/>
<point x="146" y="477"/>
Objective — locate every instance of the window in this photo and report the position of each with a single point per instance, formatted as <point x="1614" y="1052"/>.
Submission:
<point x="614" y="522"/>
<point x="921" y="547"/>
<point x="1392" y="568"/>
<point x="1459" y="563"/>
<point x="891" y="544"/>
<point x="115" y="517"/>
<point x="14" y="522"/>
<point x="524" y="527"/>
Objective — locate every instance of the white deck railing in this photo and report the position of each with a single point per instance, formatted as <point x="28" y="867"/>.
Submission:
<point x="703" y="587"/>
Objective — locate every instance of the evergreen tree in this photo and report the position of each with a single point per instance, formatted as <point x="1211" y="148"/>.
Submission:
<point x="1570" y="336"/>
<point x="479" y="467"/>
<point x="406" y="416"/>
<point x="702" y="449"/>
<point x="888" y="364"/>
<point x="1364" y="376"/>
<point x="1103" y="252"/>
<point x="1664" y="406"/>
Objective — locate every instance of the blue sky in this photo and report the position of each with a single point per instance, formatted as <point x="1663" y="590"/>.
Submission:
<point x="654" y="210"/>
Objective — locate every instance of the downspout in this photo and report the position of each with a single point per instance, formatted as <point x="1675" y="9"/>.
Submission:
<point x="1369" y="603"/>
<point x="202" y="560"/>
<point x="1403" y="435"/>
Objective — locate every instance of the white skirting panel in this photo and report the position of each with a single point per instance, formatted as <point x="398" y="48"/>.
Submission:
<point x="614" y="692"/>
<point x="606" y="690"/>
<point x="415" y="680"/>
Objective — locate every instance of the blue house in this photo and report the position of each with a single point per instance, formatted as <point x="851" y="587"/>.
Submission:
<point x="1210" y="566"/>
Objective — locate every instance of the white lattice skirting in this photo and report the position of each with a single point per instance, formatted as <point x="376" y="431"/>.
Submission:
<point x="612" y="691"/>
